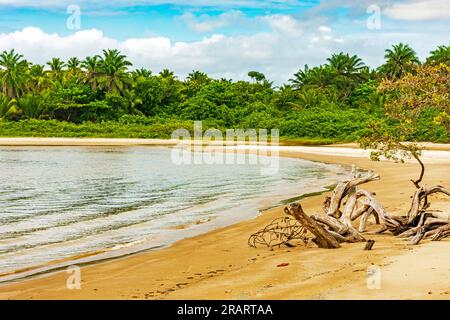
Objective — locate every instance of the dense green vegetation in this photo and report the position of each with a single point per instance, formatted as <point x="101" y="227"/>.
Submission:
<point x="102" y="97"/>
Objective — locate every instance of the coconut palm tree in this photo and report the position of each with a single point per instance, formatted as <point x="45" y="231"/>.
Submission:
<point x="113" y="75"/>
<point x="309" y="98"/>
<point x="141" y="73"/>
<point x="400" y="60"/>
<point x="13" y="73"/>
<point x="195" y="80"/>
<point x="56" y="65"/>
<point x="166" y="73"/>
<point x="6" y="105"/>
<point x="73" y="66"/>
<point x="197" y="76"/>
<point x="350" y="67"/>
<point x="38" y="78"/>
<point x="318" y="77"/>
<point x="440" y="55"/>
<point x="91" y="66"/>
<point x="32" y="105"/>
<point x="56" y="68"/>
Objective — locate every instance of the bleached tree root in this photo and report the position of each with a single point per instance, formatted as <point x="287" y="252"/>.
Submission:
<point x="441" y="233"/>
<point x="388" y="221"/>
<point x="323" y="239"/>
<point x="336" y="225"/>
<point x="421" y="224"/>
<point x="342" y="190"/>
<point x="419" y="196"/>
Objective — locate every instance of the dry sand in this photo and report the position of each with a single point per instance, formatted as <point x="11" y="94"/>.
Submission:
<point x="220" y="265"/>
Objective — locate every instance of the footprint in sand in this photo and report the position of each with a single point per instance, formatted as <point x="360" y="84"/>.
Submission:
<point x="179" y="285"/>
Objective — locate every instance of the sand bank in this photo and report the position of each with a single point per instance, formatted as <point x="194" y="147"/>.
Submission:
<point x="219" y="264"/>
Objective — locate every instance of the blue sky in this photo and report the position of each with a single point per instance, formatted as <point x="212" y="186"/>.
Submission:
<point x="163" y="18"/>
<point x="225" y="38"/>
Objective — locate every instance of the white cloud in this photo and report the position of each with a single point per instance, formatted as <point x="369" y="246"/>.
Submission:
<point x="279" y="52"/>
<point x="419" y="10"/>
<point x="324" y="29"/>
<point x="207" y="23"/>
<point x="284" y="23"/>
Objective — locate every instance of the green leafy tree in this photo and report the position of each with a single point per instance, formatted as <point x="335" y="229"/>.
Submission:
<point x="76" y="102"/>
<point x="257" y="76"/>
<point x="407" y="98"/>
<point x="150" y="93"/>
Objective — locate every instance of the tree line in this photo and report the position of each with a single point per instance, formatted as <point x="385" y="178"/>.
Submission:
<point x="336" y="100"/>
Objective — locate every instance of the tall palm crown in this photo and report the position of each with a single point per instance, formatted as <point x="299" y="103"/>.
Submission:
<point x="39" y="79"/>
<point x="142" y="73"/>
<point x="195" y="81"/>
<point x="317" y="77"/>
<point x="56" y="69"/>
<point x="166" y="73"/>
<point x="56" y="65"/>
<point x="348" y="66"/>
<point x="400" y="60"/>
<point x="73" y="64"/>
<point x="112" y="68"/>
<point x="91" y="65"/>
<point x="197" y="76"/>
<point x="13" y="73"/>
<point x="440" y="55"/>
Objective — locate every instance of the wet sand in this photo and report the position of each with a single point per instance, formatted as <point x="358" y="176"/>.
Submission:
<point x="220" y="265"/>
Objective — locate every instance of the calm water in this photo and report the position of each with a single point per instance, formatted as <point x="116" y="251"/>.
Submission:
<point x="58" y="202"/>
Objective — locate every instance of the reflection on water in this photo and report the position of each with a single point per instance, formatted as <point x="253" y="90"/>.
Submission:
<point x="57" y="202"/>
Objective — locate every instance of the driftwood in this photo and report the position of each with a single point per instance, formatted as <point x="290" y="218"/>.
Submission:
<point x="336" y="225"/>
<point x="418" y="224"/>
<point x="386" y="219"/>
<point x="347" y="204"/>
<point x="421" y="224"/>
<point x="342" y="189"/>
<point x="281" y="231"/>
<point x="323" y="239"/>
<point x="369" y="245"/>
<point x="421" y="194"/>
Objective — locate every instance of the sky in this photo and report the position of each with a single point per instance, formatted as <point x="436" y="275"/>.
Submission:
<point x="225" y="38"/>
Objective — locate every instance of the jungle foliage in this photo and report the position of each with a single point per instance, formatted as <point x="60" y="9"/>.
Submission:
<point x="102" y="96"/>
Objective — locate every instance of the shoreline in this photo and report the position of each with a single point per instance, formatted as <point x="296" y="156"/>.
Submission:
<point x="103" y="142"/>
<point x="110" y="254"/>
<point x="182" y="232"/>
<point x="128" y="277"/>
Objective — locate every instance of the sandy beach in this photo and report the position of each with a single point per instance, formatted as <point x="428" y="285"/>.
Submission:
<point x="220" y="265"/>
